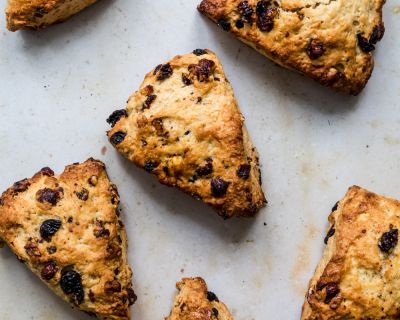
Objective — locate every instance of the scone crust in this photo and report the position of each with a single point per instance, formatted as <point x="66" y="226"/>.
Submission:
<point x="356" y="279"/>
<point x="188" y="131"/>
<point x="340" y="64"/>
<point x="90" y="240"/>
<point x="195" y="302"/>
<point x="38" y="14"/>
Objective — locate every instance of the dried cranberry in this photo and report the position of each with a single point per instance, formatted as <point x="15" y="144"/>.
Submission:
<point x="211" y="296"/>
<point x="21" y="186"/>
<point x="244" y="171"/>
<point x="47" y="171"/>
<point x="205" y="170"/>
<point x="131" y="296"/>
<point x="202" y="70"/>
<point x="32" y="249"/>
<point x="83" y="194"/>
<point x="224" y="24"/>
<point x="332" y="290"/>
<point x="71" y="284"/>
<point x="199" y="52"/>
<point x="117" y="137"/>
<point x="364" y="44"/>
<point x="149" y="166"/>
<point x="388" y="240"/>
<point x="246" y="11"/>
<point x="330" y="233"/>
<point x="49" y="271"/>
<point x="112" y="286"/>
<point x="164" y="72"/>
<point x="49" y="195"/>
<point x="315" y="49"/>
<point x="219" y="187"/>
<point x="116" y="116"/>
<point x="49" y="228"/>
<point x="377" y="34"/>
<point x="149" y="100"/>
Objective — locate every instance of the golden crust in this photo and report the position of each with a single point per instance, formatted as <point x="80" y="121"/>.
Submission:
<point x="359" y="274"/>
<point x="194" y="302"/>
<point x="90" y="238"/>
<point x="184" y="126"/>
<point x="316" y="38"/>
<point x="38" y="14"/>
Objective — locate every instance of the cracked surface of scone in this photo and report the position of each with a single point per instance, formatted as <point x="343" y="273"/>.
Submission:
<point x="67" y="230"/>
<point x="38" y="14"/>
<point x="184" y="126"/>
<point x="359" y="274"/>
<point x="195" y="302"/>
<point x="330" y="41"/>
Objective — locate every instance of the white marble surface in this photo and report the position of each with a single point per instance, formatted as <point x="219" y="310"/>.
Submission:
<point x="58" y="86"/>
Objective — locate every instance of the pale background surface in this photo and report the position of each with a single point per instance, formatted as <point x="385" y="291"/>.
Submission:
<point x="58" y="86"/>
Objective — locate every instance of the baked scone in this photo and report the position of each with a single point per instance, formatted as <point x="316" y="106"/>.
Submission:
<point x="194" y="302"/>
<point x="359" y="275"/>
<point x="329" y="41"/>
<point x="184" y="126"/>
<point x="38" y="14"/>
<point x="67" y="230"/>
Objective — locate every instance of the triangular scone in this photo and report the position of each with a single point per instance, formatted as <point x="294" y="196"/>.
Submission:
<point x="194" y="302"/>
<point x="185" y="127"/>
<point x="67" y="230"/>
<point x="38" y="14"/>
<point x="359" y="274"/>
<point x="329" y="41"/>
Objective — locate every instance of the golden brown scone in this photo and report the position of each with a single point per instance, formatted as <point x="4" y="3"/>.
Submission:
<point x="38" y="14"/>
<point x="67" y="230"/>
<point x="329" y="41"/>
<point x="359" y="275"/>
<point x="185" y="127"/>
<point x="194" y="302"/>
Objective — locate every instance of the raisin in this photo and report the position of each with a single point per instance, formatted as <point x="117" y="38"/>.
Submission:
<point x="116" y="116"/>
<point x="158" y="125"/>
<point x="46" y="171"/>
<point x="112" y="286"/>
<point x="100" y="231"/>
<point x="330" y="233"/>
<point x="244" y="171"/>
<point x="205" y="170"/>
<point x="83" y="194"/>
<point x="164" y="72"/>
<point x="211" y="296"/>
<point x="93" y="180"/>
<point x="49" y="228"/>
<point x="364" y="44"/>
<point x="224" y="24"/>
<point x="261" y="7"/>
<point x="186" y="81"/>
<point x="51" y="249"/>
<point x="265" y="16"/>
<point x="21" y="186"/>
<point x="388" y="240"/>
<point x="32" y="249"/>
<point x="157" y="69"/>
<point x="117" y="137"/>
<point x="150" y="166"/>
<point x="377" y="34"/>
<point x="215" y="312"/>
<point x="315" y="49"/>
<point x="334" y="208"/>
<point x="246" y="11"/>
<point x="71" y="284"/>
<point x="202" y="70"/>
<point x="332" y="290"/>
<point x="219" y="187"/>
<point x="48" y="195"/>
<point x="131" y="296"/>
<point x="149" y="100"/>
<point x="199" y="52"/>
<point x="239" y="24"/>
<point x="49" y="271"/>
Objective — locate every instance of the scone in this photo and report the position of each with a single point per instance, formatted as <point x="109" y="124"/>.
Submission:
<point x="359" y="275"/>
<point x="184" y="126"/>
<point x="38" y="14"/>
<point x="329" y="41"/>
<point x="66" y="229"/>
<point x="194" y="302"/>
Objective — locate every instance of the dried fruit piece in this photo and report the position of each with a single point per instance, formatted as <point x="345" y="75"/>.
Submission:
<point x="21" y="186"/>
<point x="377" y="34"/>
<point x="244" y="171"/>
<point x="149" y="100"/>
<point x="199" y="52"/>
<point x="164" y="72"/>
<point x="330" y="233"/>
<point x="49" y="195"/>
<point x="202" y="71"/>
<point x="116" y="116"/>
<point x="315" y="49"/>
<point x="83" y="194"/>
<point x="246" y="11"/>
<point x="211" y="296"/>
<point x="332" y="290"/>
<point x="389" y="240"/>
<point x="112" y="286"/>
<point x="117" y="137"/>
<point x="149" y="166"/>
<point x="265" y="16"/>
<point x="49" y="271"/>
<point x="205" y="170"/>
<point x="219" y="187"/>
<point x="364" y="44"/>
<point x="71" y="284"/>
<point x="224" y="24"/>
<point x="49" y="228"/>
<point x="47" y="171"/>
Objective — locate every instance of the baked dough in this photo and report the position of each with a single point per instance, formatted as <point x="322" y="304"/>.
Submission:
<point x="194" y="302"/>
<point x="328" y="40"/>
<point x="38" y="14"/>
<point x="67" y="230"/>
<point x="359" y="275"/>
<point x="184" y="126"/>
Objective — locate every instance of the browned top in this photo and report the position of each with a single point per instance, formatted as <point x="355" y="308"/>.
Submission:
<point x="69" y="223"/>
